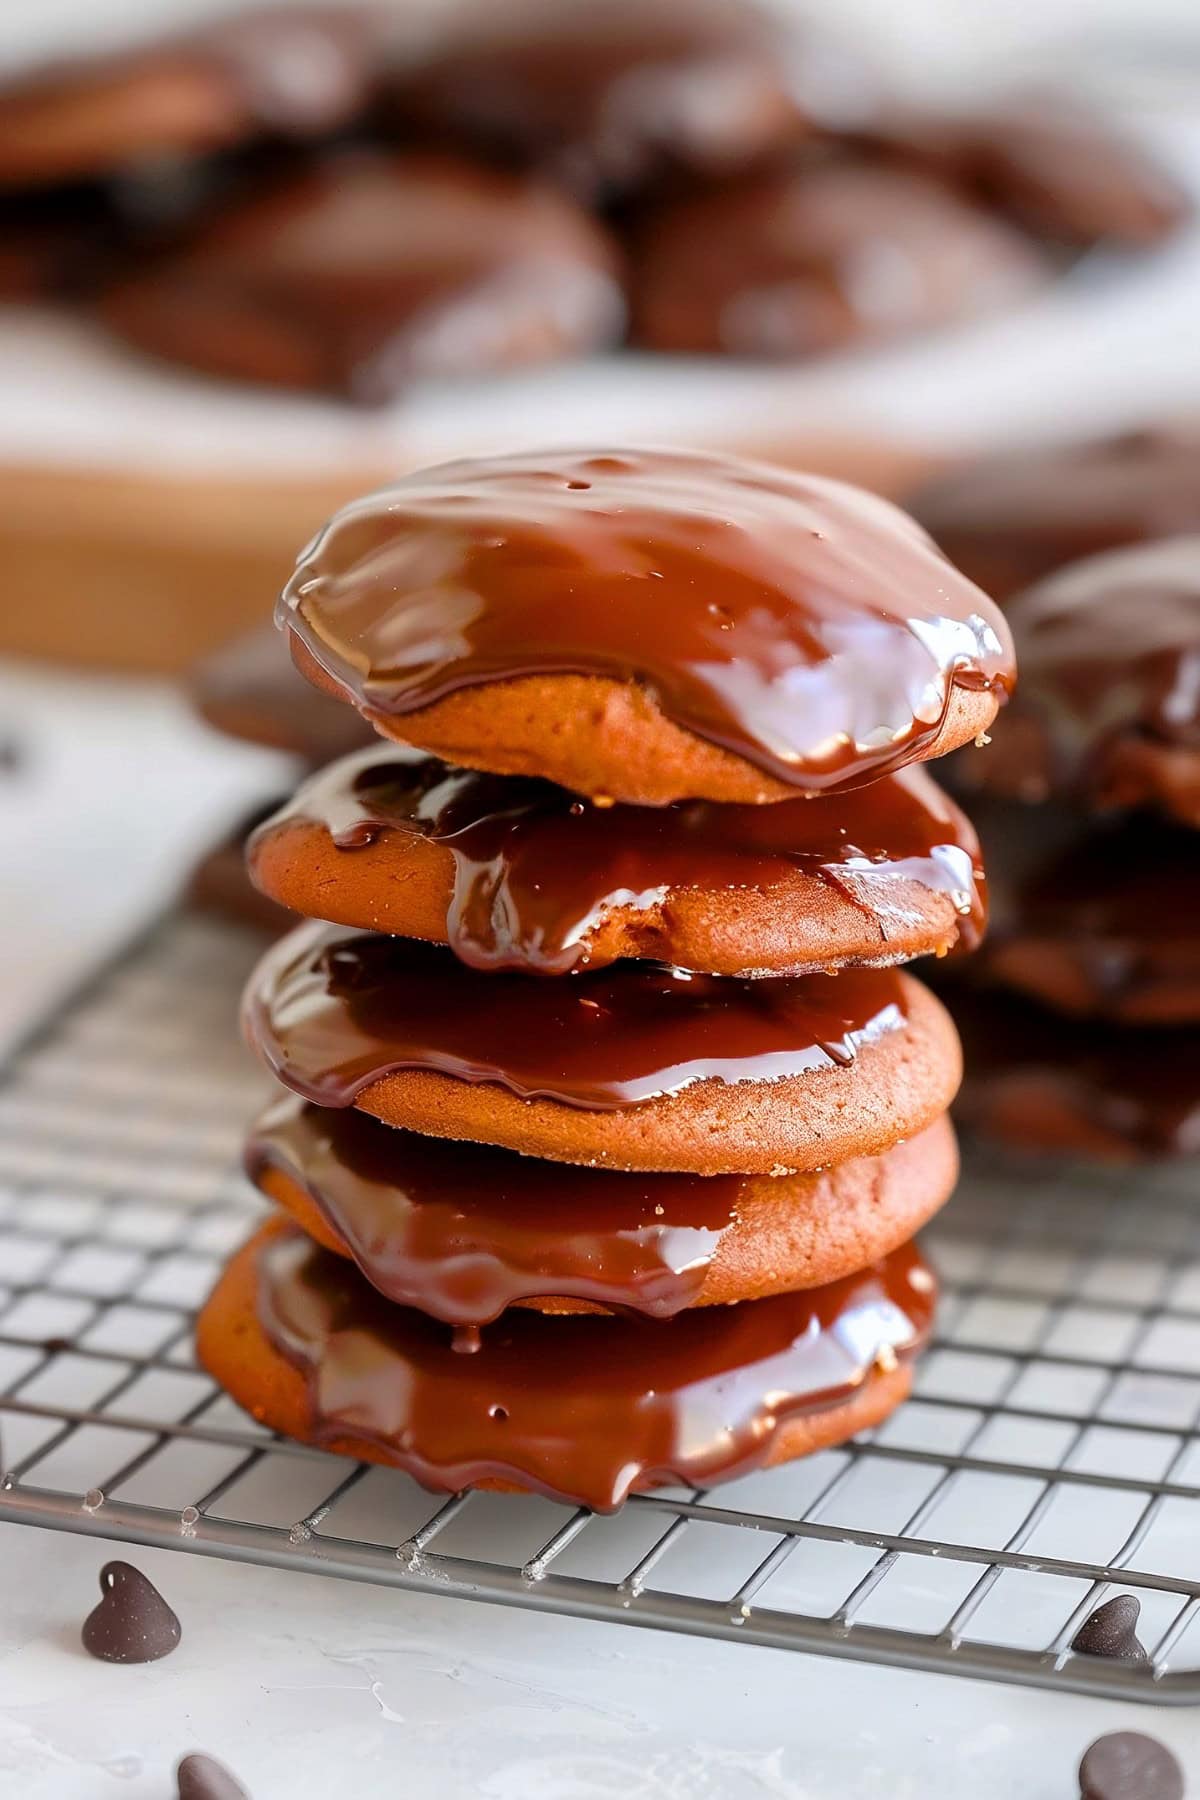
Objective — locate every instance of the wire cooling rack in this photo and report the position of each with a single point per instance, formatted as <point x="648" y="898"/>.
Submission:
<point x="1050" y="1456"/>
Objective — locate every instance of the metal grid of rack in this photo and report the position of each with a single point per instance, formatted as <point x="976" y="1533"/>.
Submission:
<point x="1050" y="1456"/>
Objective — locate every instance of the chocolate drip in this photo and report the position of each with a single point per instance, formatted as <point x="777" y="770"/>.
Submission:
<point x="462" y="1232"/>
<point x="537" y="869"/>
<point x="333" y="1010"/>
<point x="581" y="1409"/>
<point x="806" y="626"/>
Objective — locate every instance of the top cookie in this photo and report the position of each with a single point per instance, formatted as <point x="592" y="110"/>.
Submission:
<point x="648" y="626"/>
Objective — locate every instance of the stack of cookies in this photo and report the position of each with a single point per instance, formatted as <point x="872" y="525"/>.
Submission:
<point x="611" y="1117"/>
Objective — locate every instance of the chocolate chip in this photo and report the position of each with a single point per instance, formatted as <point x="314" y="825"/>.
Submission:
<point x="202" y="1778"/>
<point x="133" y="1623"/>
<point x="1112" y="1631"/>
<point x="1127" y="1766"/>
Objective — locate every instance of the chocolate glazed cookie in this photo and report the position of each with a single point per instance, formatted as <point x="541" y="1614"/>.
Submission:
<point x="638" y="1066"/>
<point x="520" y="874"/>
<point x="736" y="632"/>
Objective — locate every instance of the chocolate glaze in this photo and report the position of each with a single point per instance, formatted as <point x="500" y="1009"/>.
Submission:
<point x="1108" y="926"/>
<point x="1041" y="1082"/>
<point x="537" y="869"/>
<point x="581" y="1409"/>
<point x="1110" y="658"/>
<point x="1011" y="518"/>
<point x="333" y="1010"/>
<point x="462" y="1232"/>
<point x="806" y="626"/>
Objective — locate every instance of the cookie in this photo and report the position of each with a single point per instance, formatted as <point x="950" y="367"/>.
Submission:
<point x="819" y="258"/>
<point x="638" y="1066"/>
<point x="648" y="627"/>
<point x="1066" y="173"/>
<point x="461" y="1233"/>
<point x="250" y="689"/>
<point x="1109" y="711"/>
<point x="1038" y="1082"/>
<point x="283" y="71"/>
<point x="584" y="1409"/>
<point x="367" y="270"/>
<point x="610" y="97"/>
<point x="1010" y="518"/>
<point x="1107" y="928"/>
<point x="521" y="875"/>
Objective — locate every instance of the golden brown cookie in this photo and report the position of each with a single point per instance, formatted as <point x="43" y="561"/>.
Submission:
<point x="520" y="874"/>
<point x="638" y="1066"/>
<point x="648" y="626"/>
<point x="461" y="1232"/>
<point x="584" y="1409"/>
<point x="366" y="270"/>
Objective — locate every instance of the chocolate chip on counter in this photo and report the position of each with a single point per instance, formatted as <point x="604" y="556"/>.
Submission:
<point x="1128" y="1766"/>
<point x="1112" y="1631"/>
<point x="133" y="1623"/>
<point x="203" y="1778"/>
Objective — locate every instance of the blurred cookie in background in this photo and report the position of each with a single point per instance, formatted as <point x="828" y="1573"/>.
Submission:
<point x="251" y="689"/>
<point x="365" y="270"/>
<point x="284" y="71"/>
<point x="1037" y="1082"/>
<point x="1012" y="517"/>
<point x="799" y="261"/>
<point x="608" y="98"/>
<point x="1067" y="174"/>
<point x="1108" y="710"/>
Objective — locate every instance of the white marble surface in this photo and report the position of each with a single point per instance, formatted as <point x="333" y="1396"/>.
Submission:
<point x="313" y="1689"/>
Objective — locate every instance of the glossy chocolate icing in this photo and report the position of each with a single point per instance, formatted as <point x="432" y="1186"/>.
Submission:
<point x="462" y="1232"/>
<point x="1110" y="662"/>
<point x="805" y="625"/>
<point x="333" y="1010"/>
<point x="1011" y="518"/>
<point x="586" y="1408"/>
<point x="536" y="869"/>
